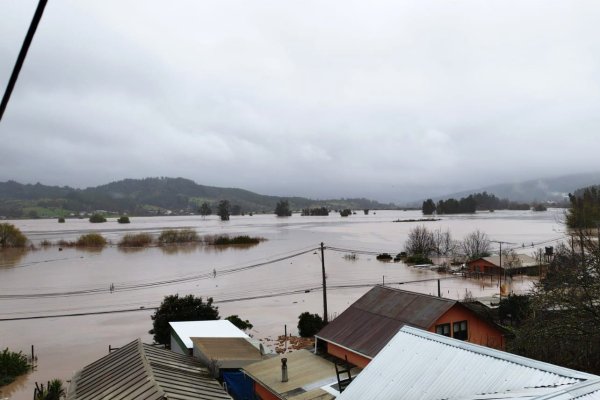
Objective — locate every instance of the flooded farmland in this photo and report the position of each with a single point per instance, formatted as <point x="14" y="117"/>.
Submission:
<point x="270" y="283"/>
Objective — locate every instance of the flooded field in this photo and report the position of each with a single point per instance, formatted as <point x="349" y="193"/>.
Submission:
<point x="270" y="283"/>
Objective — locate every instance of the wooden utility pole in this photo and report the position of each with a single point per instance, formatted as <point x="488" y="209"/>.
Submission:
<point x="325" y="319"/>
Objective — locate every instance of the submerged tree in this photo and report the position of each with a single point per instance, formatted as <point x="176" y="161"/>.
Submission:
<point x="11" y="236"/>
<point x="282" y="209"/>
<point x="223" y="209"/>
<point x="205" y="209"/>
<point x="475" y="245"/>
<point x="428" y="207"/>
<point x="420" y="242"/>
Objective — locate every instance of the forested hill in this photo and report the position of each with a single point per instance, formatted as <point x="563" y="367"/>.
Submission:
<point x="149" y="196"/>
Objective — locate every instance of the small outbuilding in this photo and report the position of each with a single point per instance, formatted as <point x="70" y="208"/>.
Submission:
<point x="512" y="265"/>
<point x="183" y="332"/>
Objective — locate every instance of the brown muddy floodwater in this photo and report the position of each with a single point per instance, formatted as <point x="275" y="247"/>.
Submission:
<point x="242" y="280"/>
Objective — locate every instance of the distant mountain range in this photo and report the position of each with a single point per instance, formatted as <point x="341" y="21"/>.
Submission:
<point x="554" y="189"/>
<point x="149" y="196"/>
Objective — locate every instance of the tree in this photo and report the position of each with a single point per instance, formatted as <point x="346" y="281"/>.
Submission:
<point x="282" y="209"/>
<point x="443" y="243"/>
<point x="475" y="245"/>
<point x="428" y="207"/>
<point x="174" y="308"/>
<point x="563" y="325"/>
<point x="309" y="324"/>
<point x="97" y="218"/>
<point x="123" y="219"/>
<point x="240" y="323"/>
<point x="420" y="242"/>
<point x="12" y="365"/>
<point x="54" y="391"/>
<point x="205" y="209"/>
<point x="236" y="209"/>
<point x="223" y="210"/>
<point x="585" y="208"/>
<point x="11" y="236"/>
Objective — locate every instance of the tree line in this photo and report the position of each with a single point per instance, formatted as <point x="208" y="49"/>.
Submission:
<point x="470" y="204"/>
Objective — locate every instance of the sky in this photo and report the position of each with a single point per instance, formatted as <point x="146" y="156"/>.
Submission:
<point x="389" y="100"/>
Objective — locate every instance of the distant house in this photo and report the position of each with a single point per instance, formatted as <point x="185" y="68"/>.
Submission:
<point x="309" y="377"/>
<point x="183" y="332"/>
<point x="519" y="264"/>
<point x="142" y="371"/>
<point x="416" y="364"/>
<point x="362" y="330"/>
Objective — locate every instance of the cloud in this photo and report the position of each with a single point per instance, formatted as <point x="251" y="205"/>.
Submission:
<point x="380" y="100"/>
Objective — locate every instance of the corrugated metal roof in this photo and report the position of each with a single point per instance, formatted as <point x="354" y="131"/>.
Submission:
<point x="141" y="371"/>
<point x="523" y="261"/>
<point x="421" y="365"/>
<point x="369" y="324"/>
<point x="589" y="390"/>
<point x="227" y="349"/>
<point x="220" y="328"/>
<point x="306" y="373"/>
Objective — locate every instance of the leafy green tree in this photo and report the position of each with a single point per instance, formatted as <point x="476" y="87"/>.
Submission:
<point x="97" y="218"/>
<point x="240" y="323"/>
<point x="585" y="208"/>
<point x="282" y="209"/>
<point x="428" y="207"/>
<point x="11" y="236"/>
<point x="515" y="308"/>
<point x="123" y="219"/>
<point x="12" y="365"/>
<point x="174" y="308"/>
<point x="205" y="209"/>
<point x="223" y="210"/>
<point x="309" y="324"/>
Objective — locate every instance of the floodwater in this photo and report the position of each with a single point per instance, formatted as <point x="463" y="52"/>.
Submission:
<point x="247" y="281"/>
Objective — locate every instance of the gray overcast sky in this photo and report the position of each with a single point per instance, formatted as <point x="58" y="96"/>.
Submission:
<point x="383" y="99"/>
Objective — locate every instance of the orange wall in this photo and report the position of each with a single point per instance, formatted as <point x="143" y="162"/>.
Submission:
<point x="479" y="331"/>
<point x="353" y="358"/>
<point x="484" y="267"/>
<point x="263" y="393"/>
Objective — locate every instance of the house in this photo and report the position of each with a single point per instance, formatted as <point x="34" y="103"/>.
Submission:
<point x="416" y="364"/>
<point x="517" y="264"/>
<point x="142" y="371"/>
<point x="306" y="377"/>
<point x="362" y="330"/>
<point x="183" y="332"/>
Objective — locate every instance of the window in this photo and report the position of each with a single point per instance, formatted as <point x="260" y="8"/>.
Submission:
<point x="459" y="330"/>
<point x="443" y="329"/>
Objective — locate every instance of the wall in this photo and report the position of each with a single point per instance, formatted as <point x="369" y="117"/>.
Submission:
<point x="177" y="345"/>
<point x="263" y="393"/>
<point x="483" y="266"/>
<point x="353" y="358"/>
<point x="479" y="331"/>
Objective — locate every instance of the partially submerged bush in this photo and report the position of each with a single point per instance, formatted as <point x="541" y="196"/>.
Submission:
<point x="225" y="240"/>
<point x="97" y="218"/>
<point x="45" y="243"/>
<point x="11" y="366"/>
<point x="136" y="240"/>
<point x="11" y="236"/>
<point x="124" y="219"/>
<point x="345" y="212"/>
<point x="384" y="257"/>
<point x="91" y="240"/>
<point x="418" y="259"/>
<point x="173" y="236"/>
<point x="61" y="220"/>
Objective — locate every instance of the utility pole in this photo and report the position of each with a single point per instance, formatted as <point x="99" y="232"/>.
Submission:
<point x="325" y="318"/>
<point x="503" y="272"/>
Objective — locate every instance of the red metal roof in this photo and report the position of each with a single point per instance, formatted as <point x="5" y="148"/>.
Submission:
<point x="369" y="324"/>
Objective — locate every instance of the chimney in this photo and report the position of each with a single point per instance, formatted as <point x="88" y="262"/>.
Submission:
<point x="284" y="374"/>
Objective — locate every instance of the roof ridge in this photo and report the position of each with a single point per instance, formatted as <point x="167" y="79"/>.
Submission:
<point x="148" y="368"/>
<point x="413" y="293"/>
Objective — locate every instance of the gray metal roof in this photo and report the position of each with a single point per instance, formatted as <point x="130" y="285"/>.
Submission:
<point x="420" y="365"/>
<point x="141" y="371"/>
<point x="588" y="390"/>
<point x="369" y="324"/>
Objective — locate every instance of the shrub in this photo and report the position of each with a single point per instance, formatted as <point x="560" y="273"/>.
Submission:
<point x="136" y="240"/>
<point x="124" y="219"/>
<point x="418" y="259"/>
<point x="345" y="212"/>
<point x="384" y="257"/>
<point x="97" y="218"/>
<point x="11" y="366"/>
<point x="91" y="240"/>
<point x="45" y="243"/>
<point x="240" y="323"/>
<point x="172" y="236"/>
<point x="61" y="220"/>
<point x="11" y="236"/>
<point x="309" y="324"/>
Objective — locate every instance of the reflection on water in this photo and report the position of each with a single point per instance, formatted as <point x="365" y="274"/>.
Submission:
<point x="187" y="248"/>
<point x="11" y="257"/>
<point x="17" y="386"/>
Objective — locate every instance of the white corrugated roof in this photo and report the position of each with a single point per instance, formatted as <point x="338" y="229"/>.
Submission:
<point x="589" y="390"/>
<point x="421" y="365"/>
<point x="205" y="329"/>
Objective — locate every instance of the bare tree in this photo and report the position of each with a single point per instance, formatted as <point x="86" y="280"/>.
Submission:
<point x="475" y="245"/>
<point x="443" y="242"/>
<point x="420" y="241"/>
